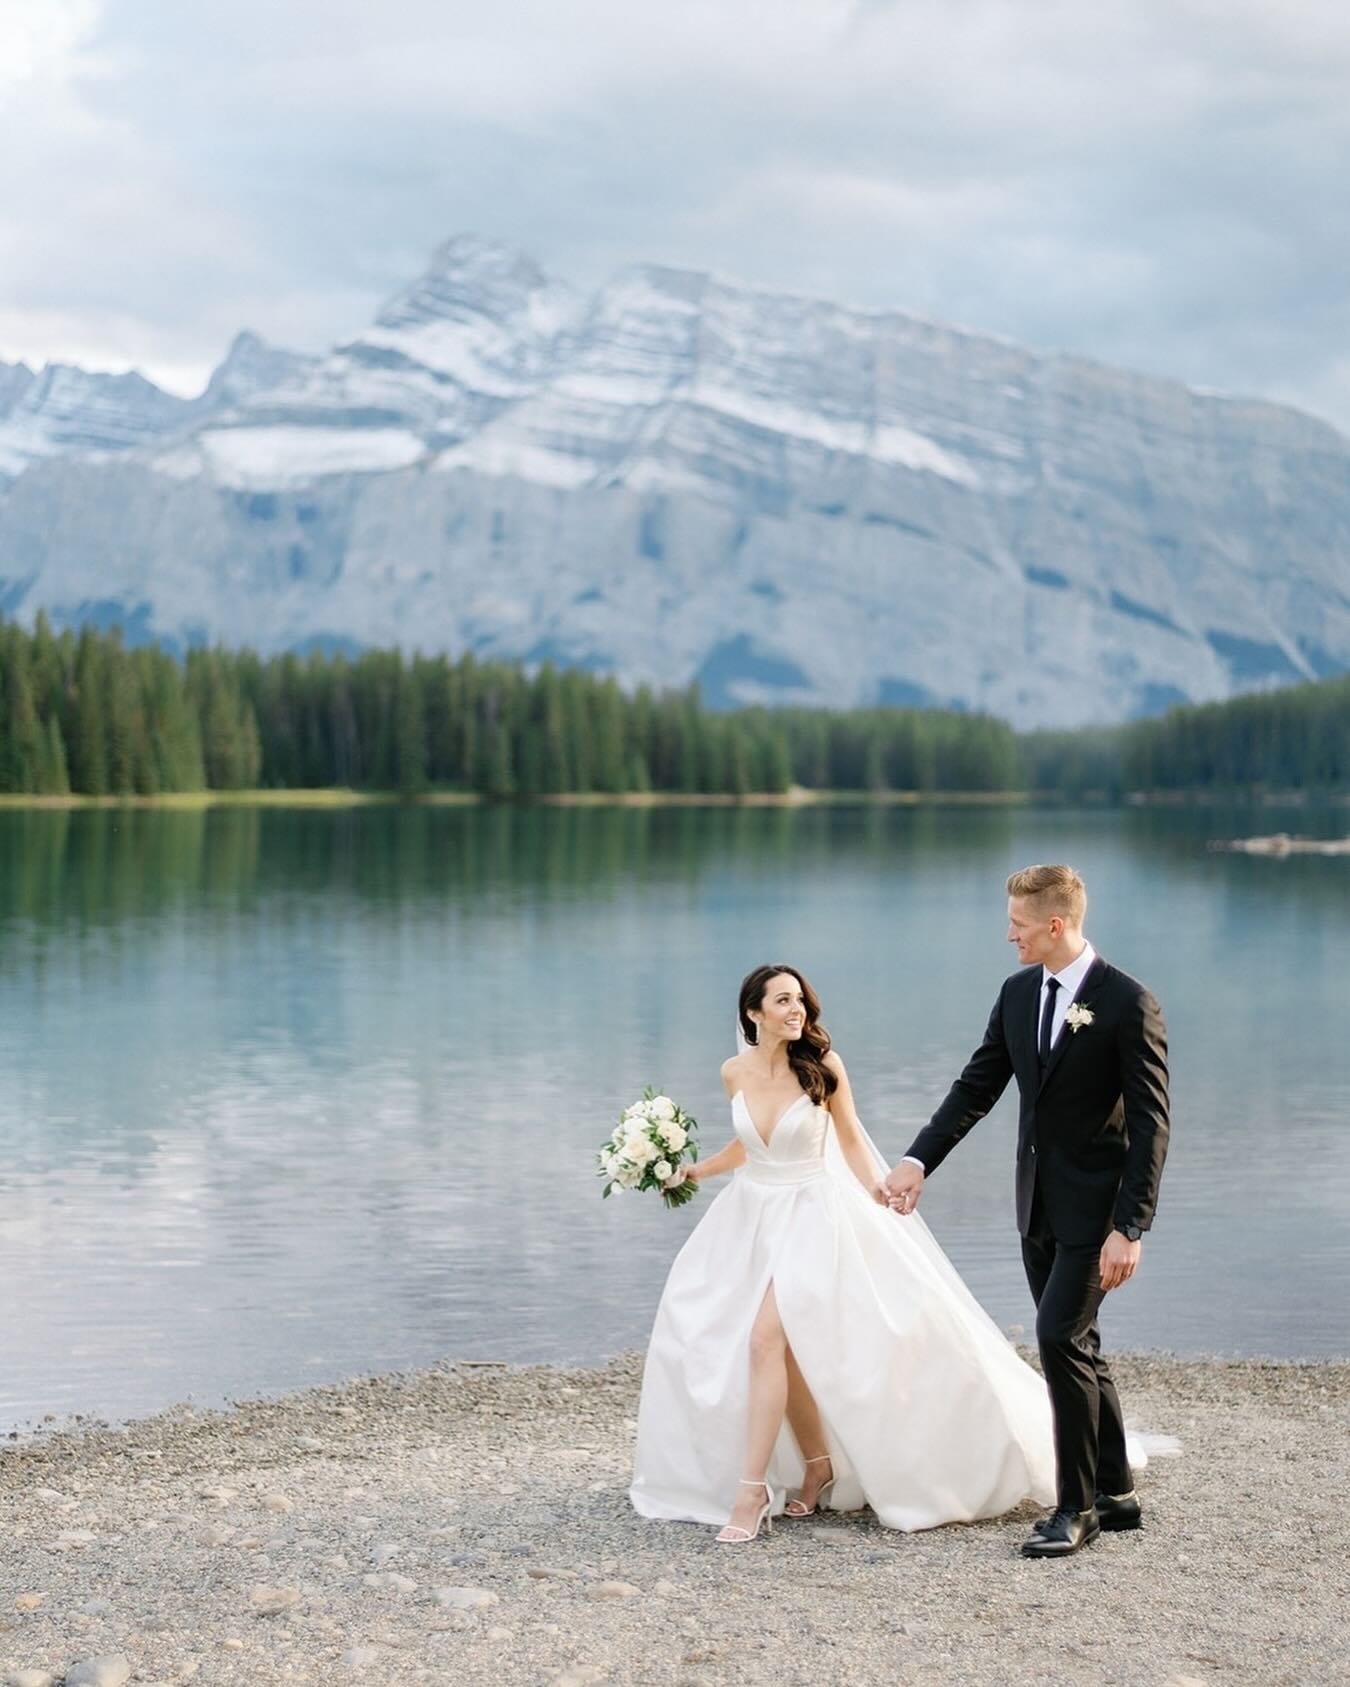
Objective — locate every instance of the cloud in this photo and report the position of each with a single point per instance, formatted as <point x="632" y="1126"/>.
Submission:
<point x="37" y="36"/>
<point x="1152" y="183"/>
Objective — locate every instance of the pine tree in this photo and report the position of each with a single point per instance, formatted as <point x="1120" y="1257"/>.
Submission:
<point x="174" y="733"/>
<point x="641" y="739"/>
<point x="249" y="767"/>
<point x="279" y="712"/>
<point x="610" y="772"/>
<point x="46" y="666"/>
<point x="712" y="762"/>
<point x="814" y="771"/>
<point x="440" y="723"/>
<point x="119" y="716"/>
<point x="692" y="753"/>
<point x="579" y="736"/>
<point x="86" y="741"/>
<point x="874" y="757"/>
<point x="468" y="708"/>
<point x="777" y="761"/>
<point x="55" y="776"/>
<point x="737" y="778"/>
<point x="555" y="760"/>
<point x="231" y="753"/>
<point x="22" y="747"/>
<point x="342" y="731"/>
<point x="410" y="732"/>
<point x="498" y="776"/>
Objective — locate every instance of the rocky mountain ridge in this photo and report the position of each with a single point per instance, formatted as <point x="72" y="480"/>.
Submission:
<point x="679" y="477"/>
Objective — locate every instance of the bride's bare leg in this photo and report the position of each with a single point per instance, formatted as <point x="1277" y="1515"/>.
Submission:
<point x="802" y="1412"/>
<point x="804" y="1416"/>
<point x="768" y="1401"/>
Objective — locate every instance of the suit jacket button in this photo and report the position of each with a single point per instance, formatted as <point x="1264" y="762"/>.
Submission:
<point x="1033" y="1150"/>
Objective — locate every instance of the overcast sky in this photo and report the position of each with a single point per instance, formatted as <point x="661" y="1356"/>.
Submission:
<point x="1157" y="183"/>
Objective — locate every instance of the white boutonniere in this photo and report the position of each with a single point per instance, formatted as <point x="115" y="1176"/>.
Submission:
<point x="1078" y="1016"/>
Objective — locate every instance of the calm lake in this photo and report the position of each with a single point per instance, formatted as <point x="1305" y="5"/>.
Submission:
<point x="287" y="1095"/>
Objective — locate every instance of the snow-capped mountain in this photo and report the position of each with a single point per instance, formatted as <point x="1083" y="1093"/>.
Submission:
<point x="682" y="477"/>
<point x="251" y="367"/>
<point x="62" y="409"/>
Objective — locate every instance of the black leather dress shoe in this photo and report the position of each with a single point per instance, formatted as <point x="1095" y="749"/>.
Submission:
<point x="1119" y="1511"/>
<point x="1065" y="1532"/>
<point x="1114" y="1511"/>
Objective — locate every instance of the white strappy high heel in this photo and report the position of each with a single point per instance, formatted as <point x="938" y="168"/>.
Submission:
<point x="825" y="1489"/>
<point x="733" y="1534"/>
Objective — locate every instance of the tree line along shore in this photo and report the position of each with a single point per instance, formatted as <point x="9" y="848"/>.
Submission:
<point x="83" y="714"/>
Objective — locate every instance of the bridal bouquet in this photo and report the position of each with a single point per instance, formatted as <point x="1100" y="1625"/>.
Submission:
<point x="652" y="1139"/>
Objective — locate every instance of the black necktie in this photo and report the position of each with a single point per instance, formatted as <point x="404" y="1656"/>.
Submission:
<point x="1047" y="1019"/>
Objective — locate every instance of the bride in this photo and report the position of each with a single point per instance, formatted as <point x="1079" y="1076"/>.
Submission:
<point x="800" y="1296"/>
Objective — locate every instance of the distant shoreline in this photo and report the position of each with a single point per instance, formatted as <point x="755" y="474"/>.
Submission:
<point x="342" y="797"/>
<point x="797" y="797"/>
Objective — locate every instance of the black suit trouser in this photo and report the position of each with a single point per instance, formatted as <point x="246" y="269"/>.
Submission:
<point x="1089" y="1430"/>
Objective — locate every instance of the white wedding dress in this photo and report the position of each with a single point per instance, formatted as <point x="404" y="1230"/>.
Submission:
<point x="930" y="1415"/>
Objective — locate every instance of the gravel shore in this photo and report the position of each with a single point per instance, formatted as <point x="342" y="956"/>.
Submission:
<point x="471" y="1525"/>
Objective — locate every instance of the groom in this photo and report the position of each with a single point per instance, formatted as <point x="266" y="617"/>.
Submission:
<point x="1088" y="1048"/>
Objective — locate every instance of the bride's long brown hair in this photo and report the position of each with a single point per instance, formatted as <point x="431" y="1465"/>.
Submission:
<point x="806" y="1055"/>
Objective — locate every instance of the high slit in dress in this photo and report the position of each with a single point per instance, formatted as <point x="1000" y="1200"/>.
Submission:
<point x="930" y="1415"/>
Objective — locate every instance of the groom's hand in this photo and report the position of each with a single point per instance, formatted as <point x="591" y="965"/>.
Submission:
<point x="904" y="1185"/>
<point x="1119" y="1261"/>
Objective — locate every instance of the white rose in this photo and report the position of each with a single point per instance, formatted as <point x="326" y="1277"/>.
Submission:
<point x="630" y="1177"/>
<point x="662" y="1170"/>
<point x="674" y="1136"/>
<point x="635" y="1111"/>
<point x="662" y="1107"/>
<point x="635" y="1149"/>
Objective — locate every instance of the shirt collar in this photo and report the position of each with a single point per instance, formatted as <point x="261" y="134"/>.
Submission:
<point x="1071" y="979"/>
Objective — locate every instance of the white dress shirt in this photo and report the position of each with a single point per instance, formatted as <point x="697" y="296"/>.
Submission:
<point x="1070" y="981"/>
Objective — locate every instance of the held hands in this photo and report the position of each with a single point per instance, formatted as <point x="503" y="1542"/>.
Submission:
<point x="903" y="1187"/>
<point x="1119" y="1260"/>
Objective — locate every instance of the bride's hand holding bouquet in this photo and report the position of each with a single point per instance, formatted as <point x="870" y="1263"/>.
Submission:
<point x="652" y="1148"/>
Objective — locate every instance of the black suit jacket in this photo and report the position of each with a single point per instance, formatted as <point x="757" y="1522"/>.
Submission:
<point x="1092" y="1132"/>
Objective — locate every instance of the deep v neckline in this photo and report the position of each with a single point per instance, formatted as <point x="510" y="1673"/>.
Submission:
<point x="764" y="1141"/>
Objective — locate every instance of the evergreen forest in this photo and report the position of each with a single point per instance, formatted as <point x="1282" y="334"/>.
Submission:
<point x="83" y="713"/>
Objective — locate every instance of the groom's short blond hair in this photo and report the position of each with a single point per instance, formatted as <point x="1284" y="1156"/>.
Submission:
<point x="1054" y="890"/>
